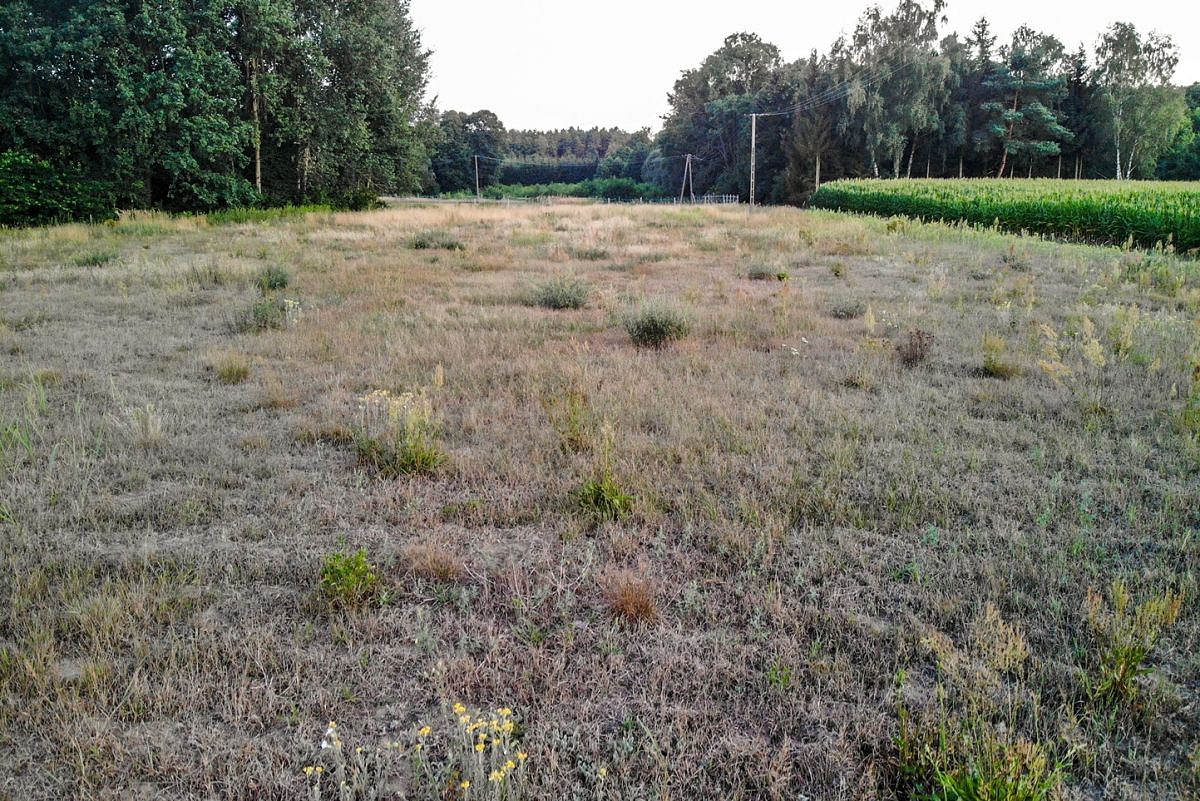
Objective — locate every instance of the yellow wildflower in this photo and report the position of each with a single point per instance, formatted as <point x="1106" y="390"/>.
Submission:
<point x="308" y="770"/>
<point x="459" y="709"/>
<point x="522" y="756"/>
<point x="505" y="711"/>
<point x="479" y="747"/>
<point x="603" y="772"/>
<point x="509" y="765"/>
<point x="465" y="785"/>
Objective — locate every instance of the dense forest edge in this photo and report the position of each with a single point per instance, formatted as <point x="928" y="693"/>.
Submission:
<point x="205" y="105"/>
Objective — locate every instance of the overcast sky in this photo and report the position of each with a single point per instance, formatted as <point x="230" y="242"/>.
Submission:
<point x="552" y="64"/>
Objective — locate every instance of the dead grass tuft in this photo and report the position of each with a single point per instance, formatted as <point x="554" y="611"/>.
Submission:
<point x="434" y="561"/>
<point x="631" y="596"/>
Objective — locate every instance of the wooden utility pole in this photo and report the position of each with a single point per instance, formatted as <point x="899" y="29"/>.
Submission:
<point x="753" y="142"/>
<point x="478" y="194"/>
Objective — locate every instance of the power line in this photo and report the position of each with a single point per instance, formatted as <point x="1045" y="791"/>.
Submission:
<point x="835" y="92"/>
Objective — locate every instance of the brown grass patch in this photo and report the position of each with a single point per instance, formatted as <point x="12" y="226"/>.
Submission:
<point x="631" y="596"/>
<point x="434" y="561"/>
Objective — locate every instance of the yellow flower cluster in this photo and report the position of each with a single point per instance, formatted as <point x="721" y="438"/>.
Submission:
<point x="488" y="738"/>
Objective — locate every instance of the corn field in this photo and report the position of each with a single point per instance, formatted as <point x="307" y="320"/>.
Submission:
<point x="1114" y="212"/>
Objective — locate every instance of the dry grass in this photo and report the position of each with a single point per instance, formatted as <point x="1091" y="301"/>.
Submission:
<point x="434" y="562"/>
<point x="848" y="555"/>
<point x="630" y="597"/>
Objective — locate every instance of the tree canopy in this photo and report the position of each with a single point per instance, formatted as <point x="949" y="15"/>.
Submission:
<point x="200" y="104"/>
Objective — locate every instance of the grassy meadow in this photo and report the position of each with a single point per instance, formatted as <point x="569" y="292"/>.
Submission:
<point x="675" y="503"/>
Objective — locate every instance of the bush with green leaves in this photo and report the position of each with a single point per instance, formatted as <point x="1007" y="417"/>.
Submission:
<point x="561" y="292"/>
<point x="349" y="579"/>
<point x="266" y="314"/>
<point x="33" y="191"/>
<point x="355" y="200"/>
<point x="272" y="278"/>
<point x="656" y="325"/>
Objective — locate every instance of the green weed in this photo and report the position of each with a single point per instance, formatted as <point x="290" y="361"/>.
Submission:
<point x="397" y="435"/>
<point x="272" y="278"/>
<point x="1125" y="635"/>
<point x="349" y="579"/>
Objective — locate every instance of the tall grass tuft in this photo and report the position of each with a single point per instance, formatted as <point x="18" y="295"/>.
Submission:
<point x="656" y="324"/>
<point x="561" y="292"/>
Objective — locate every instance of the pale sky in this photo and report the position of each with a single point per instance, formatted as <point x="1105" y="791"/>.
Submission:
<point x="551" y="64"/>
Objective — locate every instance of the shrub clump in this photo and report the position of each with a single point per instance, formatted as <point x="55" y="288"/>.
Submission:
<point x="266" y="314"/>
<point x="848" y="310"/>
<point x="601" y="498"/>
<point x="348" y="579"/>
<point x="95" y="258"/>
<point x="273" y="278"/>
<point x="1125" y="634"/>
<point x="34" y="191"/>
<point x="656" y="325"/>
<point x="562" y="292"/>
<point x="435" y="240"/>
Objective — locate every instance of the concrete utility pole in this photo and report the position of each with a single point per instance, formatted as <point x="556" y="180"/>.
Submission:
<point x="753" y="149"/>
<point x="687" y="179"/>
<point x="478" y="195"/>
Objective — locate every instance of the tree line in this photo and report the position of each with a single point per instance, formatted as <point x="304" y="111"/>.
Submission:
<point x="898" y="98"/>
<point x="199" y="104"/>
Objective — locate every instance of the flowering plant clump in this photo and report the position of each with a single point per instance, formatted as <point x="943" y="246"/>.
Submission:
<point x="397" y="434"/>
<point x="478" y="760"/>
<point x="490" y="763"/>
<point x="358" y="773"/>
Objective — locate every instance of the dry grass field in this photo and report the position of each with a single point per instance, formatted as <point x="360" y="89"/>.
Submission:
<point x="895" y="510"/>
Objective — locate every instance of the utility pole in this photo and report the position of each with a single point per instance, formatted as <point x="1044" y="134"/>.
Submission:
<point x="478" y="195"/>
<point x="687" y="179"/>
<point x="753" y="149"/>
